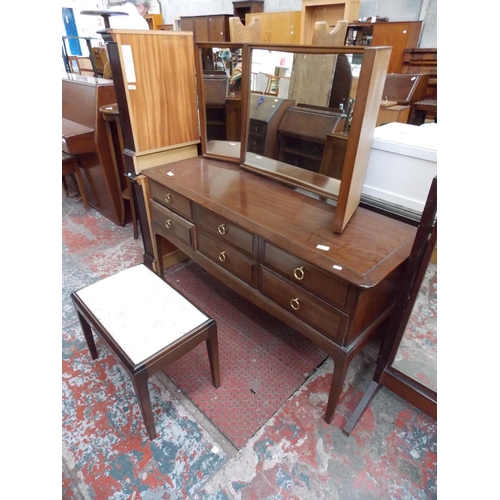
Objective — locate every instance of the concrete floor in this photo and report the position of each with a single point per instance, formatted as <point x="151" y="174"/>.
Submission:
<point x="392" y="453"/>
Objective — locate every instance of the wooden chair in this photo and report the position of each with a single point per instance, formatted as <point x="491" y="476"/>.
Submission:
<point x="71" y="166"/>
<point x="147" y="325"/>
<point x="100" y="56"/>
<point x="85" y="66"/>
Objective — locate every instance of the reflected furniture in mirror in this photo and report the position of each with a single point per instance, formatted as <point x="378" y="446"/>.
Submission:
<point x="400" y="92"/>
<point x="219" y="94"/>
<point x="400" y="35"/>
<point x="407" y="364"/>
<point x="241" y="33"/>
<point x="243" y="7"/>
<point x="323" y="139"/>
<point x="328" y="11"/>
<point x="277" y="27"/>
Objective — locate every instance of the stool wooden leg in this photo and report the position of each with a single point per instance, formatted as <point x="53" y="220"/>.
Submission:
<point x="213" y="355"/>
<point x="87" y="331"/>
<point x="142" y="391"/>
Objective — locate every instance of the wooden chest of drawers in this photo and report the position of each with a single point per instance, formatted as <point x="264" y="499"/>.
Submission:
<point x="276" y="248"/>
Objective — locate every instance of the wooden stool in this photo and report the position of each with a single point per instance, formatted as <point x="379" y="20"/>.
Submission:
<point x="71" y="165"/>
<point x="147" y="325"/>
<point x="110" y="114"/>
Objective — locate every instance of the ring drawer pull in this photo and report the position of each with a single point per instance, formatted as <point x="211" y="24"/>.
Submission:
<point x="299" y="273"/>
<point x="168" y="224"/>
<point x="222" y="229"/>
<point x="168" y="198"/>
<point x="222" y="256"/>
<point x="295" y="304"/>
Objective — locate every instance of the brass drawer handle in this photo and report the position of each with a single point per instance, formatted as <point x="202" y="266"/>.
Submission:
<point x="222" y="256"/>
<point x="168" y="198"/>
<point x="168" y="224"/>
<point x="222" y="229"/>
<point x="299" y="273"/>
<point x="295" y="304"/>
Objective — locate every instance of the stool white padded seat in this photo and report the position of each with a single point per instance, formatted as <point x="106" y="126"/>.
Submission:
<point x="147" y="324"/>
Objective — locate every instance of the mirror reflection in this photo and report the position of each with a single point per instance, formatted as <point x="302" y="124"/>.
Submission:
<point x="300" y="113"/>
<point x="417" y="353"/>
<point x="222" y="77"/>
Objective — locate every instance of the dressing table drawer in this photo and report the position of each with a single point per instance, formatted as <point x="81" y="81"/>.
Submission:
<point x="225" y="230"/>
<point x="169" y="224"/>
<point x="313" y="311"/>
<point x="306" y="275"/>
<point x="227" y="257"/>
<point x="171" y="199"/>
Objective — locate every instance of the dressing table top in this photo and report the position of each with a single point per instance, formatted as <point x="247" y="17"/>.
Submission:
<point x="371" y="246"/>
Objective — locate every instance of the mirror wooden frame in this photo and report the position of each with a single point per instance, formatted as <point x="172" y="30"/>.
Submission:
<point x="200" y="47"/>
<point x="347" y="191"/>
<point x="386" y="374"/>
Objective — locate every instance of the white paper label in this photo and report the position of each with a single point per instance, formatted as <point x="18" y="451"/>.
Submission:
<point x="323" y="247"/>
<point x="128" y="63"/>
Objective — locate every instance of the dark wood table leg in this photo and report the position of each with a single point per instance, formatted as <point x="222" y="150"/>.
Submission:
<point x="340" y="366"/>
<point x="140" y="382"/>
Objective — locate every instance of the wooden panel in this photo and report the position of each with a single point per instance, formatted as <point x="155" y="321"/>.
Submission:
<point x="227" y="257"/>
<point x="170" y="198"/>
<point x="305" y="275"/>
<point x="225" y="230"/>
<point x="422" y="61"/>
<point x="153" y="106"/>
<point x="368" y="96"/>
<point x="305" y="306"/>
<point x="169" y="223"/>
<point x="330" y="11"/>
<point x="393" y="114"/>
<point x="399" y="36"/>
<point x="278" y="27"/>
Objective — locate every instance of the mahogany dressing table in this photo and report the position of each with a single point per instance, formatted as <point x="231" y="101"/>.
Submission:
<point x="275" y="247"/>
<point x="279" y="248"/>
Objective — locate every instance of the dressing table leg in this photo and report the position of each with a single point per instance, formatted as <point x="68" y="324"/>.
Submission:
<point x="341" y="364"/>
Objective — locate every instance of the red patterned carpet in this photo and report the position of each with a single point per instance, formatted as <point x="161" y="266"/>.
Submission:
<point x="263" y="362"/>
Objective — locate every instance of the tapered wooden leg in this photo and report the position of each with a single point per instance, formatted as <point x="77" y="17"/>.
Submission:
<point x="339" y="372"/>
<point x="142" y="391"/>
<point x="159" y="251"/>
<point x="87" y="331"/>
<point x="81" y="187"/>
<point x="213" y="355"/>
<point x="132" y="210"/>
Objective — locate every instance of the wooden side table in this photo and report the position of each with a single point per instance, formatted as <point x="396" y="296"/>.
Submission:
<point x="110" y="114"/>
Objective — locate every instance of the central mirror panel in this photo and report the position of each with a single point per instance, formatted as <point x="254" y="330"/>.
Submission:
<point x="219" y="71"/>
<point x="300" y="114"/>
